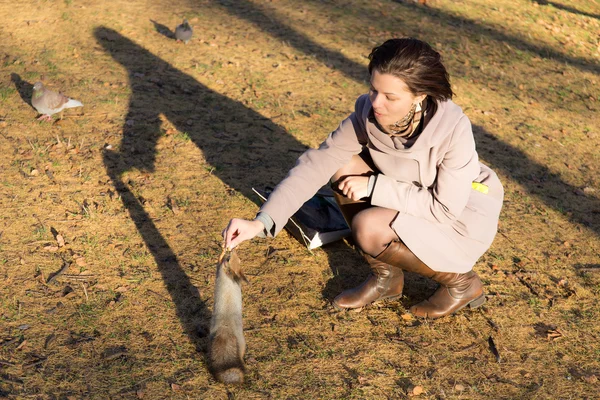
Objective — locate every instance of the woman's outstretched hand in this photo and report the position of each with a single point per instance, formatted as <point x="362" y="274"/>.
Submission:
<point x="240" y="230"/>
<point x="354" y="187"/>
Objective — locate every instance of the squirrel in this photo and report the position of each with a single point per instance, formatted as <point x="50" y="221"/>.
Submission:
<point x="226" y="338"/>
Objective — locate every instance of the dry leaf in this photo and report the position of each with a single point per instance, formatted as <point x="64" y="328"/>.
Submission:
<point x="51" y="248"/>
<point x="459" y="388"/>
<point x="417" y="390"/>
<point x="554" y="334"/>
<point x="23" y="343"/>
<point x="60" y="240"/>
<point x="175" y="387"/>
<point x="121" y="289"/>
<point x="407" y="317"/>
<point x="80" y="261"/>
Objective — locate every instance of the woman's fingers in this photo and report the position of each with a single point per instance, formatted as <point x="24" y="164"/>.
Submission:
<point x="354" y="187"/>
<point x="240" y="230"/>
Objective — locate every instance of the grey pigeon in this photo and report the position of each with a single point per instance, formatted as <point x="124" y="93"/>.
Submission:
<point x="184" y="32"/>
<point x="48" y="102"/>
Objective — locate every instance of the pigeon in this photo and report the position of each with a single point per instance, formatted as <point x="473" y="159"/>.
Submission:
<point x="184" y="32"/>
<point x="48" y="102"/>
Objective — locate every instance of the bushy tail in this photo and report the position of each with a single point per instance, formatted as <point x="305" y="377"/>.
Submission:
<point x="73" y="103"/>
<point x="226" y="356"/>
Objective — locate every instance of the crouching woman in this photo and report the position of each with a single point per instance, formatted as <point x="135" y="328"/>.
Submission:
<point x="406" y="174"/>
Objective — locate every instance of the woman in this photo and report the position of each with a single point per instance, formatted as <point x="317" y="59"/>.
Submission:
<point x="408" y="181"/>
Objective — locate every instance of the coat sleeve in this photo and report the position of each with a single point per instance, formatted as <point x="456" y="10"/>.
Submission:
<point x="445" y="200"/>
<point x="313" y="169"/>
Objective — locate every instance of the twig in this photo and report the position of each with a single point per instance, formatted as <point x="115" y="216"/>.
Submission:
<point x="533" y="291"/>
<point x="34" y="363"/>
<point x="85" y="291"/>
<point x="80" y="278"/>
<point x="10" y="379"/>
<point x="11" y="341"/>
<point x="53" y="276"/>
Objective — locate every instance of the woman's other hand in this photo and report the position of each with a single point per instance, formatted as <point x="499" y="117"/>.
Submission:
<point x="240" y="230"/>
<point x="354" y="187"/>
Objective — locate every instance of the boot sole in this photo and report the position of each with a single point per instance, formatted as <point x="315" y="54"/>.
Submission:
<point x="359" y="309"/>
<point x="477" y="302"/>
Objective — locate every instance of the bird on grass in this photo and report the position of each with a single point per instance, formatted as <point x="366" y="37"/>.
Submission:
<point x="48" y="102"/>
<point x="184" y="32"/>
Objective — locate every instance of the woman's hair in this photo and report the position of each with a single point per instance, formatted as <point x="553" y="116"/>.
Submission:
<point x="416" y="63"/>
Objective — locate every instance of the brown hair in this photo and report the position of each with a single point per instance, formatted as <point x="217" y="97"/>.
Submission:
<point x="416" y="63"/>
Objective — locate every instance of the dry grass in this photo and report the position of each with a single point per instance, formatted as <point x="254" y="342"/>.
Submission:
<point x="140" y="182"/>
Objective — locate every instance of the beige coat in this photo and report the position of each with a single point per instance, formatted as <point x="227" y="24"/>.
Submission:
<point x="443" y="217"/>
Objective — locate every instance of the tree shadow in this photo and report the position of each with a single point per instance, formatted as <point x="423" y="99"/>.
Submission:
<point x="579" y="207"/>
<point x="565" y="8"/>
<point x="24" y="88"/>
<point x="270" y="24"/>
<point x="163" y="29"/>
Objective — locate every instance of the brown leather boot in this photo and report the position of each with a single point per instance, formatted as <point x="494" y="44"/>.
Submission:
<point x="456" y="291"/>
<point x="384" y="282"/>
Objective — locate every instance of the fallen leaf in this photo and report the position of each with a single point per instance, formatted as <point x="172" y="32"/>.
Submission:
<point x="458" y="387"/>
<point x="60" y="240"/>
<point x="407" y="317"/>
<point x="554" y="334"/>
<point x="493" y="348"/>
<point x="417" y="390"/>
<point x="80" y="261"/>
<point x="23" y="343"/>
<point x="51" y="248"/>
<point x="175" y="387"/>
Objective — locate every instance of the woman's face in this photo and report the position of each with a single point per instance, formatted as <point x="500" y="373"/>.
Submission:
<point x="391" y="98"/>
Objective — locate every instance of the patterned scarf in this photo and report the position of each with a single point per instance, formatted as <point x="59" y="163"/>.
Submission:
<point x="407" y="126"/>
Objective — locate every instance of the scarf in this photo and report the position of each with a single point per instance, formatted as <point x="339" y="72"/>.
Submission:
<point x="407" y="126"/>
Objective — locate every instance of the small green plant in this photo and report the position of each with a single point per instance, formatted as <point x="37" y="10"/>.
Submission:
<point x="41" y="232"/>
<point x="6" y="92"/>
<point x="183" y="136"/>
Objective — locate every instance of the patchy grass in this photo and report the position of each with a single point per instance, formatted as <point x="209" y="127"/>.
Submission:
<point x="141" y="181"/>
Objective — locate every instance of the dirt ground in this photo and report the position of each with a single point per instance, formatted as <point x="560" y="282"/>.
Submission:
<point x="110" y="219"/>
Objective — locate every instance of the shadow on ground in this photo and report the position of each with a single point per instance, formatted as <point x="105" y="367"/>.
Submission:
<point x="24" y="88"/>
